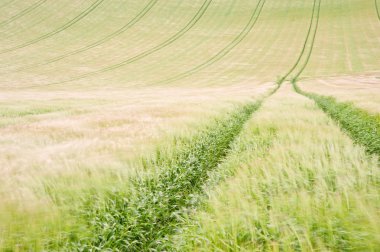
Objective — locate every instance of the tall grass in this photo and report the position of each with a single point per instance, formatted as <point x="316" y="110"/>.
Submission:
<point x="299" y="184"/>
<point x="143" y="218"/>
<point x="361" y="126"/>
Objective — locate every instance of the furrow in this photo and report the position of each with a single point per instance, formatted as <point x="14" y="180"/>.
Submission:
<point x="305" y="43"/>
<point x="127" y="26"/>
<point x="23" y="12"/>
<point x="311" y="45"/>
<point x="255" y="16"/>
<point x="164" y="44"/>
<point x="82" y="15"/>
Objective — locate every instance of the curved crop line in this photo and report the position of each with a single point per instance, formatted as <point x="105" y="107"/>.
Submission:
<point x="194" y="45"/>
<point x="199" y="14"/>
<point x="312" y="44"/>
<point x="377" y="10"/>
<point x="82" y="15"/>
<point x="23" y="12"/>
<point x="131" y="23"/>
<point x="255" y="16"/>
<point x="169" y="41"/>
<point x="304" y="45"/>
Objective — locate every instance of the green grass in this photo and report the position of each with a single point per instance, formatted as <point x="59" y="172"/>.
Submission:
<point x="142" y="219"/>
<point x="294" y="183"/>
<point x="360" y="125"/>
<point x="131" y="75"/>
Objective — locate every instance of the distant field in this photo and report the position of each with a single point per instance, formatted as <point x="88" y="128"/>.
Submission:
<point x="205" y="125"/>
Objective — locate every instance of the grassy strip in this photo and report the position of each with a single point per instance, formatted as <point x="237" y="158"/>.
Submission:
<point x="298" y="184"/>
<point x="361" y="126"/>
<point x="253" y="143"/>
<point x="143" y="218"/>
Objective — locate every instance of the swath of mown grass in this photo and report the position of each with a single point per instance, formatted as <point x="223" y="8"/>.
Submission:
<point x="361" y="126"/>
<point x="143" y="218"/>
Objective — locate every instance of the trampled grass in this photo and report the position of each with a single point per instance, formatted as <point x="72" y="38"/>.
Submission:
<point x="90" y="88"/>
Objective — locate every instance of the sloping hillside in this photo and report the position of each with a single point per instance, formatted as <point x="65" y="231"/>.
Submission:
<point x="173" y="125"/>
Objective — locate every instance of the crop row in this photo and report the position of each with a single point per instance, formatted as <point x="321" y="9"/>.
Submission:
<point x="361" y="126"/>
<point x="142" y="219"/>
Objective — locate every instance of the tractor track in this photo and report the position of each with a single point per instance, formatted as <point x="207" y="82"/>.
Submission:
<point x="23" y="12"/>
<point x="305" y="43"/>
<point x="199" y="14"/>
<point x="144" y="219"/>
<point x="255" y="16"/>
<point x="72" y="22"/>
<point x="105" y="39"/>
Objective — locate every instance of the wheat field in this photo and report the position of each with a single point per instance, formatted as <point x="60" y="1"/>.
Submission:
<point x="204" y="125"/>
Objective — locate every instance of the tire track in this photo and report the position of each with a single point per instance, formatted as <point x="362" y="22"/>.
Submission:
<point x="110" y="36"/>
<point x="23" y="12"/>
<point x="79" y="17"/>
<point x="312" y="44"/>
<point x="199" y="14"/>
<point x="255" y="16"/>
<point x="144" y="218"/>
<point x="194" y="46"/>
<point x="305" y="43"/>
<point x="377" y="9"/>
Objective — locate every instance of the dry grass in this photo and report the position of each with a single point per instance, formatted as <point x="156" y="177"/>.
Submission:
<point x="62" y="143"/>
<point x="361" y="89"/>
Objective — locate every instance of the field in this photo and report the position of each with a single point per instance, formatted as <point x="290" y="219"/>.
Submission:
<point x="204" y="125"/>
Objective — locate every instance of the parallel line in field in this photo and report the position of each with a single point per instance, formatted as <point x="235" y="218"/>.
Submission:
<point x="23" y="12"/>
<point x="377" y="9"/>
<point x="79" y="17"/>
<point x="305" y="43"/>
<point x="362" y="127"/>
<point x="311" y="45"/>
<point x="243" y="34"/>
<point x="199" y="14"/>
<point x="143" y="219"/>
<point x="189" y="48"/>
<point x="105" y="39"/>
